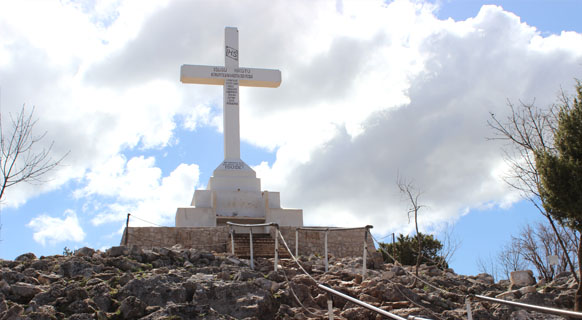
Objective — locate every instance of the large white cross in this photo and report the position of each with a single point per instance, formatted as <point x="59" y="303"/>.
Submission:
<point x="230" y="77"/>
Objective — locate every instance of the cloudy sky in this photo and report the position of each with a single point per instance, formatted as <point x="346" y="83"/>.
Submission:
<point x="371" y="90"/>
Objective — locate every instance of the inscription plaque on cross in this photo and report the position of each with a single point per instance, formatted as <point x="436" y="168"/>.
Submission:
<point x="230" y="76"/>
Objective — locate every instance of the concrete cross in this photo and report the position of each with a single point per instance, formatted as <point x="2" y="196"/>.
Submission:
<point x="231" y="76"/>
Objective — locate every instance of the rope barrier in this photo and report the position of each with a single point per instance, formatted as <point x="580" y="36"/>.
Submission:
<point x="560" y="312"/>
<point x="413" y="302"/>
<point x="268" y="224"/>
<point x="157" y="225"/>
<point x="416" y="277"/>
<point x="294" y="257"/>
<point x="290" y="284"/>
<point x="331" y="229"/>
<point x="361" y="303"/>
<point x="512" y="303"/>
<point x="295" y="295"/>
<point x="342" y="295"/>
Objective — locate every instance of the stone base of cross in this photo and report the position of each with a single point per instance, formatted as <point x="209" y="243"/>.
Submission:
<point x="233" y="192"/>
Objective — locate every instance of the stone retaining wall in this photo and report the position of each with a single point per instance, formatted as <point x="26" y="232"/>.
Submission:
<point x="204" y="238"/>
<point x="340" y="243"/>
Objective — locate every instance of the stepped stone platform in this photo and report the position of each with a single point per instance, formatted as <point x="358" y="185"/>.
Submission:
<point x="341" y="243"/>
<point x="263" y="246"/>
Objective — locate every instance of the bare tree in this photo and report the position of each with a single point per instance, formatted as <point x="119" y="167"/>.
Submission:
<point x="488" y="266"/>
<point x="510" y="259"/>
<point x="536" y="244"/>
<point x="450" y="245"/>
<point x="408" y="190"/>
<point x="529" y="129"/>
<point x="20" y="160"/>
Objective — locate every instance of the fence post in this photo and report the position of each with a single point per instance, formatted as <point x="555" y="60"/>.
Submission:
<point x="127" y="229"/>
<point x="365" y="252"/>
<point x="325" y="248"/>
<point x="276" y="246"/>
<point x="251" y="237"/>
<point x="296" y="242"/>
<point x="469" y="313"/>
<point x="231" y="240"/>
<point x="329" y="306"/>
<point x="393" y="248"/>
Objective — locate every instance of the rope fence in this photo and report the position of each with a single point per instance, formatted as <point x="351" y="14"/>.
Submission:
<point x="467" y="297"/>
<point x="251" y="226"/>
<point x="560" y="312"/>
<point x="154" y="243"/>
<point x="329" y="290"/>
<point x="138" y="218"/>
<point x="470" y="297"/>
<point x="326" y="242"/>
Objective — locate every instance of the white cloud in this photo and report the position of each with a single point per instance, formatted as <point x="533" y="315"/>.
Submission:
<point x="136" y="186"/>
<point x="53" y="230"/>
<point x="437" y="138"/>
<point x="369" y="89"/>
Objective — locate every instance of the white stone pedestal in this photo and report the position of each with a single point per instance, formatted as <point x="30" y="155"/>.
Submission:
<point x="234" y="194"/>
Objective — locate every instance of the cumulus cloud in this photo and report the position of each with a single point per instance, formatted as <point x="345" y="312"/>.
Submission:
<point x="54" y="230"/>
<point x="438" y="138"/>
<point x="136" y="186"/>
<point x="369" y="90"/>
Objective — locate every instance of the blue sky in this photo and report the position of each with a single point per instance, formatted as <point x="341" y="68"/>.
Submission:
<point x="370" y="90"/>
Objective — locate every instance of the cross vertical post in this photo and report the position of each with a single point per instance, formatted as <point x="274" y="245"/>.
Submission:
<point x="231" y="76"/>
<point x="231" y="98"/>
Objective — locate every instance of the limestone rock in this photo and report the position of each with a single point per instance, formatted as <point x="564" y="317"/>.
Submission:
<point x="528" y="289"/>
<point x="132" y="308"/>
<point x="485" y="278"/>
<point x="153" y="283"/>
<point x="117" y="251"/>
<point x="24" y="292"/>
<point x="84" y="252"/>
<point x="25" y="257"/>
<point x="13" y="313"/>
<point x="75" y="266"/>
<point x="521" y="279"/>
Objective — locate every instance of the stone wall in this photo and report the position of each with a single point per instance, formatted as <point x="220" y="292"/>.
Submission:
<point x="204" y="238"/>
<point x="340" y="243"/>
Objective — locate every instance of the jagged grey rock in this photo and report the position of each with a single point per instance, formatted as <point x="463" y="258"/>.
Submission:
<point x="117" y="251"/>
<point x="521" y="279"/>
<point x="142" y="283"/>
<point x="132" y="308"/>
<point x="24" y="292"/>
<point x="25" y="257"/>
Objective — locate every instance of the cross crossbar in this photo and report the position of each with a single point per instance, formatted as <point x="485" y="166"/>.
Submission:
<point x="216" y="75"/>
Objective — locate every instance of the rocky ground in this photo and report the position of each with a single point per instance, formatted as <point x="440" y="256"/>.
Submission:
<point x="134" y="283"/>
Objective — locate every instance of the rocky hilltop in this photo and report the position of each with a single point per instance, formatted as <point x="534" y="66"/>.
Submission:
<point x="175" y="283"/>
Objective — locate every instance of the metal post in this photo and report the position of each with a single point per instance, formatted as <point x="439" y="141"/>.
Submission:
<point x="393" y="248"/>
<point x="325" y="248"/>
<point x="231" y="240"/>
<point x="296" y="243"/>
<point x="127" y="229"/>
<point x="276" y="247"/>
<point x="329" y="306"/>
<point x="361" y="303"/>
<point x="365" y="252"/>
<point x="251" y="237"/>
<point x="468" y="303"/>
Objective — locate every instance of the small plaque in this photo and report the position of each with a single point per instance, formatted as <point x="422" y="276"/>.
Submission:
<point x="233" y="165"/>
<point x="553" y="260"/>
<point x="231" y="91"/>
<point x="231" y="53"/>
